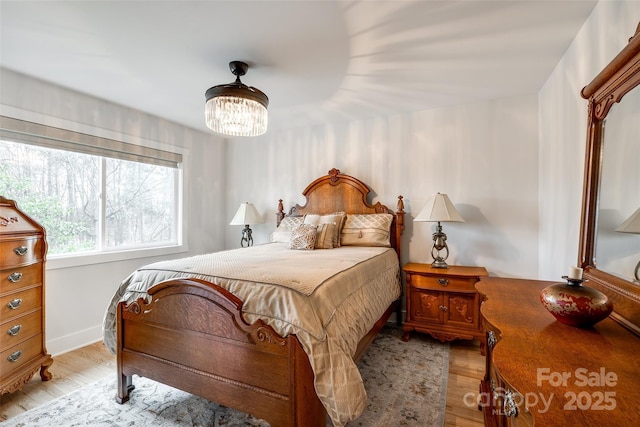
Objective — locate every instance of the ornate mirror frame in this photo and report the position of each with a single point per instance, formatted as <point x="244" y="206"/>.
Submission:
<point x="609" y="86"/>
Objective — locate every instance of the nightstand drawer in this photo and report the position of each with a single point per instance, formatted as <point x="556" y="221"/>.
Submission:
<point x="443" y="283"/>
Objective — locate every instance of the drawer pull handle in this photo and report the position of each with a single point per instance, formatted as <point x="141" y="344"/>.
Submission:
<point x="443" y="282"/>
<point x="509" y="406"/>
<point x="15" y="330"/>
<point x="443" y="308"/>
<point x="491" y="339"/>
<point x="14" y="304"/>
<point x="21" y="250"/>
<point x="13" y="357"/>
<point x="15" y="277"/>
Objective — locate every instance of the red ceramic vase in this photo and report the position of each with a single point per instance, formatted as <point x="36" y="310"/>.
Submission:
<point x="573" y="304"/>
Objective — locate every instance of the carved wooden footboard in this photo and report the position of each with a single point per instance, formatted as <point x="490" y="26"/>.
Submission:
<point x="192" y="336"/>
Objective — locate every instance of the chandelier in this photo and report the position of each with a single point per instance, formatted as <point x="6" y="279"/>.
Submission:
<point x="236" y="109"/>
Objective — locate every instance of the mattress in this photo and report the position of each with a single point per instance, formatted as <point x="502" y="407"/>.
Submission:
<point x="328" y="298"/>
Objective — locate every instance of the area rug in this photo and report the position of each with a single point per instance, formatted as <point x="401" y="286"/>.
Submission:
<point x="406" y="385"/>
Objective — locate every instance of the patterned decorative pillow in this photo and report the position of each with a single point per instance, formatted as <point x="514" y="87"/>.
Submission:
<point x="283" y="232"/>
<point x="326" y="236"/>
<point x="367" y="230"/>
<point x="336" y="218"/>
<point x="303" y="237"/>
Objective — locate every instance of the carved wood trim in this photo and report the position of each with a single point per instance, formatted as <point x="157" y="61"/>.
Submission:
<point x="461" y="306"/>
<point x="22" y="377"/>
<point x="6" y="221"/>
<point x="19" y="382"/>
<point x="234" y="326"/>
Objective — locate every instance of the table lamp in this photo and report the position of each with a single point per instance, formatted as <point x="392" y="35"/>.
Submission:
<point x="246" y="215"/>
<point x="439" y="209"/>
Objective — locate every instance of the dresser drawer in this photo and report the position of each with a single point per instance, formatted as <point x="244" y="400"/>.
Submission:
<point x="15" y="357"/>
<point x="14" y="279"/>
<point x="508" y="405"/>
<point x="19" y="303"/>
<point x="19" y="252"/>
<point x="444" y="283"/>
<point x="14" y="331"/>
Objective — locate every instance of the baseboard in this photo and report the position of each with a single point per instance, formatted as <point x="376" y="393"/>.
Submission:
<point x="74" y="341"/>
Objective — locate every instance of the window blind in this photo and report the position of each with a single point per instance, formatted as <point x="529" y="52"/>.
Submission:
<point x="45" y="136"/>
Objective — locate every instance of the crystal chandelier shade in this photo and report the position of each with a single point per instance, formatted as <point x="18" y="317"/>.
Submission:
<point x="236" y="109"/>
<point x="234" y="116"/>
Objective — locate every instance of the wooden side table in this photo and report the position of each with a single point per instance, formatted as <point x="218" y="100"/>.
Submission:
<point x="443" y="302"/>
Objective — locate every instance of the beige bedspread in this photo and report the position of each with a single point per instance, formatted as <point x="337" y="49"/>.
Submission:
<point x="329" y="298"/>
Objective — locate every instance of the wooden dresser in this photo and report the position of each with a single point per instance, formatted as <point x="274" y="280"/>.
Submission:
<point x="23" y="249"/>
<point x="544" y="372"/>
<point x="443" y="302"/>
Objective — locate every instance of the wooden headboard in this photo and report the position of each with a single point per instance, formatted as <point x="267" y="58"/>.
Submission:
<point x="336" y="192"/>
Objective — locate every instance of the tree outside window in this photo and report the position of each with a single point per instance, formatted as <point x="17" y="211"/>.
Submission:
<point x="90" y="203"/>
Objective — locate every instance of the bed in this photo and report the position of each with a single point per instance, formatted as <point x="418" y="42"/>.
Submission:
<point x="280" y="345"/>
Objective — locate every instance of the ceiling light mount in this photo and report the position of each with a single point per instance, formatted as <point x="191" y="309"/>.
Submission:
<point x="236" y="109"/>
<point x="238" y="68"/>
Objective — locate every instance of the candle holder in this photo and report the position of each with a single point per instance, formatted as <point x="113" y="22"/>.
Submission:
<point x="574" y="304"/>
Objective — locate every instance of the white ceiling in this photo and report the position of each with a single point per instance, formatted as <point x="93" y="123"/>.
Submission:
<point x="316" y="60"/>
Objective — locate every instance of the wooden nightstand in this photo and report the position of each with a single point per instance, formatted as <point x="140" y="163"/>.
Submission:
<point x="443" y="302"/>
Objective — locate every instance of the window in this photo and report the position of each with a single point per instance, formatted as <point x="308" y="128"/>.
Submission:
<point x="90" y="194"/>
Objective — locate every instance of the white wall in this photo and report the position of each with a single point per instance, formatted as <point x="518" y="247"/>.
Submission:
<point x="483" y="155"/>
<point x="516" y="174"/>
<point x="76" y="297"/>
<point x="563" y="126"/>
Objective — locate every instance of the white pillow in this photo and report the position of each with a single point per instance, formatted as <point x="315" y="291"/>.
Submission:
<point x="283" y="232"/>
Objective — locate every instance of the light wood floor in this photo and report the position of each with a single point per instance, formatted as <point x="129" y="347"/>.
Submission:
<point x="88" y="364"/>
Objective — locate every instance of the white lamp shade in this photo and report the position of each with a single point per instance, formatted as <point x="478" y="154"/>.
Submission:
<point x="439" y="209"/>
<point x="631" y="225"/>
<point x="247" y="214"/>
